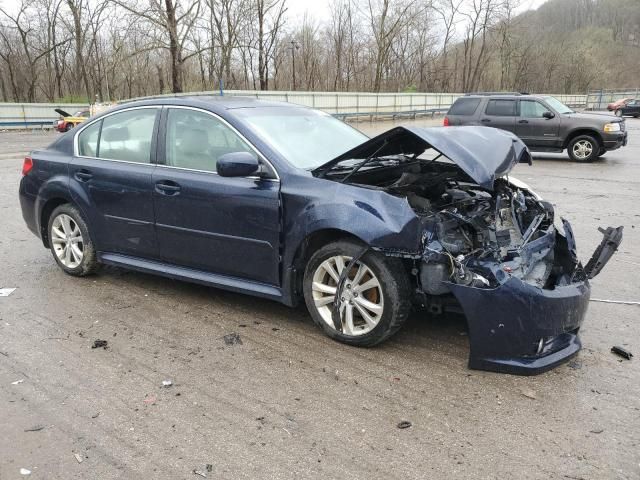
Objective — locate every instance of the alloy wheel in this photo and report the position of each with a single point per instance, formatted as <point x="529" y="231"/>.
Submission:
<point x="362" y="300"/>
<point x="67" y="241"/>
<point x="582" y="149"/>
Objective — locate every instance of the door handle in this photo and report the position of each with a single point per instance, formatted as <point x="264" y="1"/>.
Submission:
<point x="167" y="187"/>
<point x="523" y="121"/>
<point x="485" y="120"/>
<point x="83" y="175"/>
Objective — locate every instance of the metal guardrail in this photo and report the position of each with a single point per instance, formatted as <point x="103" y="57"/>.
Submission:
<point x="340" y="104"/>
<point x="599" y="99"/>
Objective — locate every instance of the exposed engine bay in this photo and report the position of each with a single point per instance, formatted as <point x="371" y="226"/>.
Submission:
<point x="475" y="236"/>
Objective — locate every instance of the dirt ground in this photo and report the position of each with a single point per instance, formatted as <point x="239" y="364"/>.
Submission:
<point x="288" y="402"/>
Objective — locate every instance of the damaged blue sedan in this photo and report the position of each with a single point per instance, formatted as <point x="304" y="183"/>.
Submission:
<point x="291" y="204"/>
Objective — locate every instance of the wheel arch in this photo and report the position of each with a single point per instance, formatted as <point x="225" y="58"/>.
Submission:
<point x="583" y="131"/>
<point x="45" y="214"/>
<point x="315" y="240"/>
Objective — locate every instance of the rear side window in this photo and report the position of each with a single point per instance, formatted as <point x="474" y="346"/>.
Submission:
<point x="464" y="106"/>
<point x="127" y="135"/>
<point x="501" y="108"/>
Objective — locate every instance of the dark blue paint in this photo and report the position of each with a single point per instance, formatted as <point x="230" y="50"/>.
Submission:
<point x="247" y="234"/>
<point x="237" y="164"/>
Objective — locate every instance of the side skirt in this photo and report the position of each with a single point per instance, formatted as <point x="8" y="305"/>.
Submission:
<point x="195" y="276"/>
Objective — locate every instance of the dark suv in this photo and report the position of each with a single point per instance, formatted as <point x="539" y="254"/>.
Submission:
<point x="543" y="122"/>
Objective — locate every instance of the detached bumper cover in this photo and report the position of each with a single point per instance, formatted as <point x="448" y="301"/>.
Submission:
<point x="507" y="324"/>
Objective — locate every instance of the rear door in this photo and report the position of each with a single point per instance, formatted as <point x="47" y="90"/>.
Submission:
<point x="500" y="113"/>
<point x="110" y="177"/>
<point x="534" y="129"/>
<point x="223" y="225"/>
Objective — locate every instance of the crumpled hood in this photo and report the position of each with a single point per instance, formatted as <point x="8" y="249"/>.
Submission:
<point x="483" y="153"/>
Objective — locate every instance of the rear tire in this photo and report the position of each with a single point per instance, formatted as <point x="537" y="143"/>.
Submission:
<point x="618" y="113"/>
<point x="376" y="293"/>
<point x="583" y="148"/>
<point x="70" y="242"/>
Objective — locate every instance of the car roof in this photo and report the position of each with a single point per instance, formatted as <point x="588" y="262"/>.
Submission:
<point x="214" y="103"/>
<point x="507" y="96"/>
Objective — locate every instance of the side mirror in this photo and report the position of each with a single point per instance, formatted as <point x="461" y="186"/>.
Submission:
<point x="237" y="164"/>
<point x="548" y="115"/>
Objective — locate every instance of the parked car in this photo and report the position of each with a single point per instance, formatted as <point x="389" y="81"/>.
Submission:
<point x="68" y="121"/>
<point x="631" y="108"/>
<point x="288" y="203"/>
<point x="613" y="106"/>
<point x="543" y="123"/>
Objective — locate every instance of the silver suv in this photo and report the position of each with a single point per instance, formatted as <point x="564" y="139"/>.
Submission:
<point x="543" y="122"/>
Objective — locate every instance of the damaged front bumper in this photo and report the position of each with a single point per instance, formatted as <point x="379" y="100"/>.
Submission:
<point x="522" y="329"/>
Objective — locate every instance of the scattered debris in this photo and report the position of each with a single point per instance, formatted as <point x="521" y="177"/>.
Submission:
<point x="620" y="302"/>
<point x="209" y="467"/>
<point x="275" y="329"/>
<point x="596" y="431"/>
<point x="149" y="399"/>
<point x="232" y="339"/>
<point x="167" y="383"/>
<point x="100" y="344"/>
<point x="24" y="471"/>
<point x="575" y="364"/>
<point x="5" y="292"/>
<point x="78" y="457"/>
<point x="17" y="382"/>
<point x="530" y="394"/>
<point x="35" y="428"/>
<point x="198" y="472"/>
<point x="621" y="352"/>
<point x="95" y="415"/>
<point x="404" y="424"/>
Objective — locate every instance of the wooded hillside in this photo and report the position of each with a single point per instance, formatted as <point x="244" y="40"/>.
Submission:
<point x="115" y="49"/>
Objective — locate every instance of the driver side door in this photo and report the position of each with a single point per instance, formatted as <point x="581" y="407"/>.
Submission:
<point x="222" y="225"/>
<point x="534" y="129"/>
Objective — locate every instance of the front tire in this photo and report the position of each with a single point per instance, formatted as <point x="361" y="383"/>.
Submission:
<point x="583" y="148"/>
<point x="376" y="293"/>
<point x="70" y="242"/>
<point x="618" y="113"/>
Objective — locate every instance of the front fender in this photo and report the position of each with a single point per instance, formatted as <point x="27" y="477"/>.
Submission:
<point x="380" y="220"/>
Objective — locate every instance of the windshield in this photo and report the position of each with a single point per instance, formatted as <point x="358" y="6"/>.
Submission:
<point x="306" y="138"/>
<point x="557" y="105"/>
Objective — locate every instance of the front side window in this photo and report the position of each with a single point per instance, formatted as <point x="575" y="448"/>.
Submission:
<point x="127" y="135"/>
<point x="88" y="140"/>
<point x="531" y="109"/>
<point x="501" y="108"/>
<point x="196" y="140"/>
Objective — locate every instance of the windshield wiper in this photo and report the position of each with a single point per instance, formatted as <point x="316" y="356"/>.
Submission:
<point x="363" y="163"/>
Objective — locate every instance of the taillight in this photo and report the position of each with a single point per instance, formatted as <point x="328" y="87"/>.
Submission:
<point x="27" y="165"/>
<point x="446" y="122"/>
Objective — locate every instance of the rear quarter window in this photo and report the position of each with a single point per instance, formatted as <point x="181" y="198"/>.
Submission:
<point x="464" y="106"/>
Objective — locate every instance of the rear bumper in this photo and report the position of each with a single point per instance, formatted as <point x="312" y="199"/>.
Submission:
<point x="521" y="329"/>
<point x="613" y="142"/>
<point x="28" y="206"/>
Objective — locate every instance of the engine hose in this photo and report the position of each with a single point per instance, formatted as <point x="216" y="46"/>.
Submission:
<point x="337" y="300"/>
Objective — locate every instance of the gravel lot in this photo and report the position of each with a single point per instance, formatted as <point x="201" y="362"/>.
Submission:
<point x="289" y="402"/>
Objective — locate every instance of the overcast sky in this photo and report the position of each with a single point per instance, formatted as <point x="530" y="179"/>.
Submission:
<point x="319" y="9"/>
